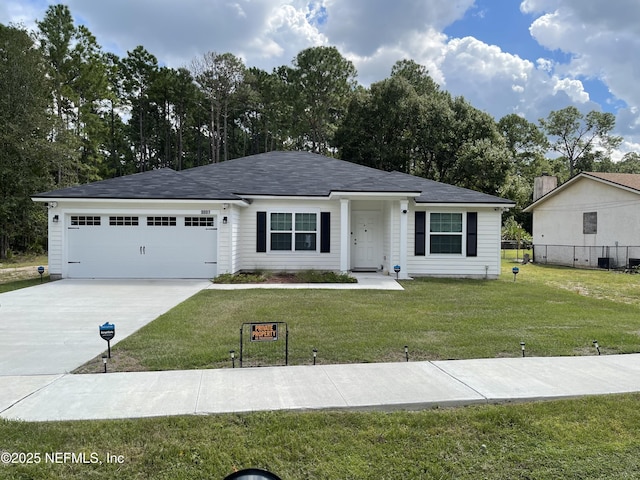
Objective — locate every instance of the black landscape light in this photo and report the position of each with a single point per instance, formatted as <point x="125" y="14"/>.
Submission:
<point x="40" y="271"/>
<point x="104" y="362"/>
<point x="522" y="347"/>
<point x="315" y="354"/>
<point x="595" y="344"/>
<point x="515" y="271"/>
<point x="406" y="352"/>
<point x="233" y="358"/>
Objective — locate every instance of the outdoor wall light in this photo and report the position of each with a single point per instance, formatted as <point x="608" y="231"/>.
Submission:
<point x="224" y="220"/>
<point x="315" y="354"/>
<point x="233" y="358"/>
<point x="406" y="352"/>
<point x="104" y="362"/>
<point x="595" y="344"/>
<point x="55" y="219"/>
<point x="522" y="347"/>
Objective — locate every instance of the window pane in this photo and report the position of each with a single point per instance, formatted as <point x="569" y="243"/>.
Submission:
<point x="306" y="222"/>
<point x="281" y="221"/>
<point x="280" y="241"/>
<point x="446" y="222"/>
<point x="446" y="244"/>
<point x="590" y="223"/>
<point x="305" y="241"/>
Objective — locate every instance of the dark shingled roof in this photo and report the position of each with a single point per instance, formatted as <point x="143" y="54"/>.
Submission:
<point x="272" y="174"/>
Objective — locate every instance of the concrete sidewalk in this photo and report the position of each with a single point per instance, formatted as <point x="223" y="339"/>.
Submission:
<point x="376" y="386"/>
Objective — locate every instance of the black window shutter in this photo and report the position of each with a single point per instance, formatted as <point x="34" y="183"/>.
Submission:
<point x="261" y="241"/>
<point x="472" y="234"/>
<point x="421" y="221"/>
<point x="325" y="232"/>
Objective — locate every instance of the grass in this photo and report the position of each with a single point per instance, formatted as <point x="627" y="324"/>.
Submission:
<point x="591" y="438"/>
<point x="20" y="272"/>
<point x="556" y="311"/>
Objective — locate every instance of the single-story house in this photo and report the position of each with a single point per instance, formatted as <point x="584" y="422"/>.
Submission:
<point x="592" y="220"/>
<point x="281" y="211"/>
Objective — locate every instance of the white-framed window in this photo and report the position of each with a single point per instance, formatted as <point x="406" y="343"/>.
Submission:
<point x="161" y="221"/>
<point x="445" y="233"/>
<point x="198" y="222"/>
<point x="123" y="221"/>
<point x="293" y="231"/>
<point x="85" y="220"/>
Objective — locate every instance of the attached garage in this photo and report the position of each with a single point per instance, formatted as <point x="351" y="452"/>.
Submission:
<point x="141" y="246"/>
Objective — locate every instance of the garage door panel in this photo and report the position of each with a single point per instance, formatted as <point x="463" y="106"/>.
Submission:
<point x="159" y="248"/>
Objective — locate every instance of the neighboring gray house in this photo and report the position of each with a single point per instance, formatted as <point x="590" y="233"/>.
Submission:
<point x="592" y="220"/>
<point x="279" y="211"/>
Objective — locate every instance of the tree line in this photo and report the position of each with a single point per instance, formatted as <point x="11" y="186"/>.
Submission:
<point x="72" y="113"/>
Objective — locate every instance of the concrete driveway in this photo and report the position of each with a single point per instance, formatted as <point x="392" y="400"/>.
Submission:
<point x="53" y="328"/>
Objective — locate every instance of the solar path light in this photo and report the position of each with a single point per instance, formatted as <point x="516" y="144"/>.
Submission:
<point x="522" y="347"/>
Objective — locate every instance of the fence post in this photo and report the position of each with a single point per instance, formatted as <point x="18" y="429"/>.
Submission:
<point x="240" y="347"/>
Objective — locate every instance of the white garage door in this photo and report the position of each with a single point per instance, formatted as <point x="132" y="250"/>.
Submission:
<point x="141" y="246"/>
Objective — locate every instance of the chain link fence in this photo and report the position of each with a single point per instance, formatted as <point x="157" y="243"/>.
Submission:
<point x="608" y="257"/>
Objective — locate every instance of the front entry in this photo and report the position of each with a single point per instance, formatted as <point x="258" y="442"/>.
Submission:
<point x="366" y="241"/>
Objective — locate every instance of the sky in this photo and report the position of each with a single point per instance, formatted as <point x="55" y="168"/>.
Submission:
<point x="528" y="57"/>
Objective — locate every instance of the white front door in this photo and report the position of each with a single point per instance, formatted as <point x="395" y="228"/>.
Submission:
<point x="366" y="241"/>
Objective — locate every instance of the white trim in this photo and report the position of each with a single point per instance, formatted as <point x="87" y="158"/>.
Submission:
<point x="340" y="194"/>
<point x="497" y="206"/>
<point x="345" y="235"/>
<point x="141" y="201"/>
<point x="404" y="214"/>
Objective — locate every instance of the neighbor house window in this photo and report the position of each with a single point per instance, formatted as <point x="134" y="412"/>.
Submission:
<point x="293" y="231"/>
<point x="590" y="223"/>
<point x="445" y="233"/>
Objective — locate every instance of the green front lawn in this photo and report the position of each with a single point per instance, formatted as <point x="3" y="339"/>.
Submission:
<point x="555" y="311"/>
<point x="593" y="438"/>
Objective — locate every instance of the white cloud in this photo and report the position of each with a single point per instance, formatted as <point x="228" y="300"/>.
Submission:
<point x="573" y="88"/>
<point x="602" y="38"/>
<point x="365" y="26"/>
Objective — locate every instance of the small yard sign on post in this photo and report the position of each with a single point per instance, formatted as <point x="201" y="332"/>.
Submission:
<point x="396" y="268"/>
<point x="107" y="332"/>
<point x="260" y="342"/>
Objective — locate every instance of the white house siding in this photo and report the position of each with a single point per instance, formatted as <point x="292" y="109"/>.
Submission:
<point x="485" y="265"/>
<point x="559" y="220"/>
<point x="250" y="259"/>
<point x="55" y="243"/>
